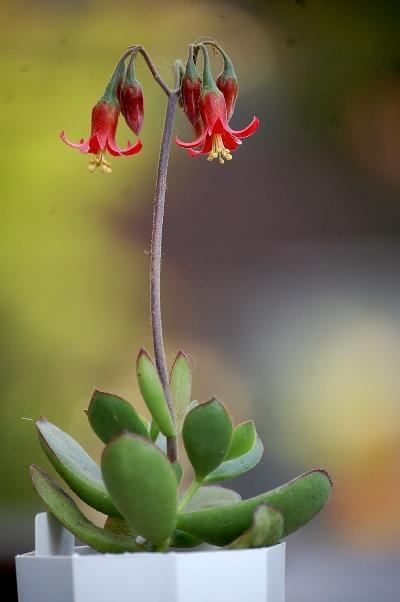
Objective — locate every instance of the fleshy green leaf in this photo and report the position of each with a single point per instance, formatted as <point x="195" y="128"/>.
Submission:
<point x="181" y="388"/>
<point x="68" y="513"/>
<point x="75" y="466"/>
<point x="153" y="394"/>
<point x="145" y="424"/>
<point x="207" y="434"/>
<point x="154" y="430"/>
<point x="298" y="501"/>
<point x="110" y="415"/>
<point x="207" y="497"/>
<point x="266" y="530"/>
<point x="234" y="468"/>
<point x="243" y="440"/>
<point x="180" y="539"/>
<point x="142" y="484"/>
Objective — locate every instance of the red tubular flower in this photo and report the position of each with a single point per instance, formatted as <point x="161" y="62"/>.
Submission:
<point x="104" y="125"/>
<point x="190" y="90"/>
<point x="131" y="99"/>
<point x="228" y="83"/>
<point x="217" y="139"/>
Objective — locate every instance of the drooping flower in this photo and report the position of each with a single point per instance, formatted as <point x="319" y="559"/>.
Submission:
<point x="217" y="138"/>
<point x="190" y="90"/>
<point x="131" y="99"/>
<point x="228" y="83"/>
<point x="105" y="115"/>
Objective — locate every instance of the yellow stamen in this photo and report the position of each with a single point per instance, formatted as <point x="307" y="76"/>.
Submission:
<point x="218" y="150"/>
<point x="100" y="161"/>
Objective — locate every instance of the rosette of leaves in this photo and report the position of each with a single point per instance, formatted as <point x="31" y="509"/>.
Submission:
<point x="140" y="491"/>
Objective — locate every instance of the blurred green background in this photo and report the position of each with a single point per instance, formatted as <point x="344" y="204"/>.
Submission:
<point x="281" y="272"/>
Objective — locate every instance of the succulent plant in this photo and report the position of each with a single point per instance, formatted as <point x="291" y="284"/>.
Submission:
<point x="138" y="488"/>
<point x="139" y="485"/>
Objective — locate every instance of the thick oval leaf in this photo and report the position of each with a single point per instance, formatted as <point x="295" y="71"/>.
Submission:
<point x="75" y="466"/>
<point x="145" y="424"/>
<point x="298" y="501"/>
<point x="207" y="435"/>
<point x="180" y="539"/>
<point x="110" y="415"/>
<point x="207" y="497"/>
<point x="68" y="513"/>
<point x="142" y="484"/>
<point x="153" y="394"/>
<point x="234" y="468"/>
<point x="181" y="388"/>
<point x="243" y="440"/>
<point x="266" y="529"/>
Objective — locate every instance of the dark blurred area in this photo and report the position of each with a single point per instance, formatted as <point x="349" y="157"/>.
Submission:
<point x="281" y="269"/>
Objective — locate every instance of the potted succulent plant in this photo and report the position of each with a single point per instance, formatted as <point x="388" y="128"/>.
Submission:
<point x="160" y="540"/>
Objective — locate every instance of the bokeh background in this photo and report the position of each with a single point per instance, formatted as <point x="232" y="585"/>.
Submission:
<point x="282" y="268"/>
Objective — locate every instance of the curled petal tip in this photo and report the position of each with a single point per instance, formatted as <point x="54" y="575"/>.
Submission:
<point x="193" y="143"/>
<point x="248" y="130"/>
<point x="194" y="153"/>
<point x="132" y="149"/>
<point x="83" y="146"/>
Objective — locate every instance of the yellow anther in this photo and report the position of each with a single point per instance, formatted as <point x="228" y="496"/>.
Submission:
<point x="100" y="161"/>
<point x="218" y="150"/>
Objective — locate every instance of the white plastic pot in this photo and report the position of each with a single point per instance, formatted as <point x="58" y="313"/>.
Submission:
<point x="60" y="572"/>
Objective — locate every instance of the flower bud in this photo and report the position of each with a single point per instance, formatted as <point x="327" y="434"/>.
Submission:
<point x="228" y="83"/>
<point x="131" y="99"/>
<point x="190" y="90"/>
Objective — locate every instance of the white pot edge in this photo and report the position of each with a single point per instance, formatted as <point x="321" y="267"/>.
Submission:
<point x="59" y="571"/>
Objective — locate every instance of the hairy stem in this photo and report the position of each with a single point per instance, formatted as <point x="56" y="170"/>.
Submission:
<point x="156" y="257"/>
<point x="154" y="71"/>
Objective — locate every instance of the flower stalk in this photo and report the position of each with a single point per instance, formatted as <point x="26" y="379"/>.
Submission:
<point x="156" y="259"/>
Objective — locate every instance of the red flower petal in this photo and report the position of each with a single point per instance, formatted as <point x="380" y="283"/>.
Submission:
<point x="213" y="109"/>
<point x="132" y="149"/>
<point x="220" y="127"/>
<point x="192" y="144"/>
<point x="116" y="151"/>
<point x="230" y="141"/>
<point x="83" y="146"/>
<point x="207" y="146"/>
<point x="95" y="144"/>
<point x="247" y="131"/>
<point x="204" y="150"/>
<point x="194" y="153"/>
